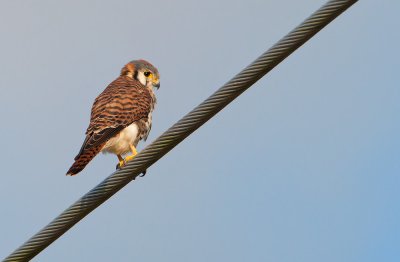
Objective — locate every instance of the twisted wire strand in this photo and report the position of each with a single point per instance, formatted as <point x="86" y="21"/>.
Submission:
<point x="179" y="131"/>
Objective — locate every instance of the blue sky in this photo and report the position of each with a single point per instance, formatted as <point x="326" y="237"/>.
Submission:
<point x="304" y="166"/>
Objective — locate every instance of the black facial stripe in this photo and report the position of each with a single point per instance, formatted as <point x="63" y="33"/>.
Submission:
<point x="135" y="75"/>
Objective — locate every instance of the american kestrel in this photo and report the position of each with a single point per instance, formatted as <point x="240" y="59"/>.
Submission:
<point x="121" y="115"/>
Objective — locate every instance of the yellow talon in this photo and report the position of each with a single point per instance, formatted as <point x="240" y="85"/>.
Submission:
<point x="129" y="158"/>
<point x="121" y="163"/>
<point x="134" y="153"/>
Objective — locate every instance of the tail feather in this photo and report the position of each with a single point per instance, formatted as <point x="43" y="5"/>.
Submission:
<point x="83" y="158"/>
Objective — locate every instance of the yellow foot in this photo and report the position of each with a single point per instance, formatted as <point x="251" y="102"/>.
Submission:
<point x="122" y="162"/>
<point x="129" y="158"/>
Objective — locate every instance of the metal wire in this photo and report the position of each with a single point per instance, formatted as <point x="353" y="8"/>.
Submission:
<point x="180" y="130"/>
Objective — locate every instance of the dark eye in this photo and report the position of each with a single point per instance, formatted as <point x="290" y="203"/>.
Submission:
<point x="147" y="73"/>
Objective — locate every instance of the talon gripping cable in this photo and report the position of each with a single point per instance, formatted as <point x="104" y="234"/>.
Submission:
<point x="183" y="128"/>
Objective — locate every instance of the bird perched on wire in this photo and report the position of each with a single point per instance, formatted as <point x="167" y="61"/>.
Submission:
<point x="121" y="115"/>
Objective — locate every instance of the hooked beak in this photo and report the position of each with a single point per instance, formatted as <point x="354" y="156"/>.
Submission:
<point x="157" y="85"/>
<point x="155" y="81"/>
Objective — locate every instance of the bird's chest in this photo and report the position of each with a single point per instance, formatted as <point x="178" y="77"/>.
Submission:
<point x="120" y="144"/>
<point x="131" y="133"/>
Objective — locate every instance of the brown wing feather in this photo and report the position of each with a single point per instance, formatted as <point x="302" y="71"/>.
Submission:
<point x="123" y="102"/>
<point x="83" y="159"/>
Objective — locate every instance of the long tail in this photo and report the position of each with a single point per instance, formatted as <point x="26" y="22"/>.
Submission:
<point x="83" y="158"/>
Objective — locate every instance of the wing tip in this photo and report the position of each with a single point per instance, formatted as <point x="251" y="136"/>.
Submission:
<point x="74" y="169"/>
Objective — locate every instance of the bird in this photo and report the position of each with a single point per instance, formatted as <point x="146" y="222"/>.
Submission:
<point x="121" y="115"/>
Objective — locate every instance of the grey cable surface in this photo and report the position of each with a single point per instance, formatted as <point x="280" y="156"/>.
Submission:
<point x="179" y="131"/>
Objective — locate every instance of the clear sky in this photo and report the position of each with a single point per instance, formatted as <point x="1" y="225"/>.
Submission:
<point x="304" y="166"/>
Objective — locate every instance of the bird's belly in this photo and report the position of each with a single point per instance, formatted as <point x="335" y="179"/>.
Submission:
<point x="119" y="144"/>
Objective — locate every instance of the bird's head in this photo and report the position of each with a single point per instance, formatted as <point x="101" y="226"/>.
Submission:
<point x="142" y="71"/>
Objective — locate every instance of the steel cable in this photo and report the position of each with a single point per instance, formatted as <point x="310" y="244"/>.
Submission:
<point x="180" y="130"/>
